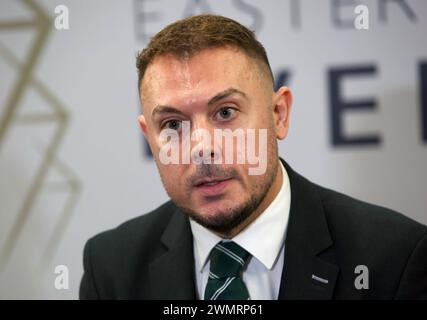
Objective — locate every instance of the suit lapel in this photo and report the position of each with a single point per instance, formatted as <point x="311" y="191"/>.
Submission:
<point x="309" y="270"/>
<point x="172" y="273"/>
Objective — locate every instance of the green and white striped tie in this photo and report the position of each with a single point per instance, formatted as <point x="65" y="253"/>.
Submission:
<point x="227" y="260"/>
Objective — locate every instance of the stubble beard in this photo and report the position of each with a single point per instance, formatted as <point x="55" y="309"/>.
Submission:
<point x="226" y="220"/>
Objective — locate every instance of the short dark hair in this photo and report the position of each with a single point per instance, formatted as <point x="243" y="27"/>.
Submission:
<point x="188" y="36"/>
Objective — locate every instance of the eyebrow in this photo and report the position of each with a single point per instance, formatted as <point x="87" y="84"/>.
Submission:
<point x="164" y="109"/>
<point x="159" y="109"/>
<point x="224" y="94"/>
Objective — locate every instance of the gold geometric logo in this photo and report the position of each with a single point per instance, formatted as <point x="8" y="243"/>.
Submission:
<point x="56" y="116"/>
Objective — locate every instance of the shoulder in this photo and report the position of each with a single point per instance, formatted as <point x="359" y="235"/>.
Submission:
<point x="117" y="261"/>
<point x="392" y="246"/>
<point x="366" y="218"/>
<point x="134" y="234"/>
<point x="371" y="235"/>
<point x="354" y="220"/>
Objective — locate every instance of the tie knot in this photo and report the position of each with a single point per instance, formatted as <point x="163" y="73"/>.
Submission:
<point x="227" y="259"/>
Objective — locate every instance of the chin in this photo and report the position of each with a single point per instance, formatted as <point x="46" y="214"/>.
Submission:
<point x="219" y="221"/>
<point x="217" y="209"/>
<point x="215" y="214"/>
<point x="219" y="217"/>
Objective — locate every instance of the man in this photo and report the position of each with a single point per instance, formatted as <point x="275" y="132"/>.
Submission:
<point x="229" y="231"/>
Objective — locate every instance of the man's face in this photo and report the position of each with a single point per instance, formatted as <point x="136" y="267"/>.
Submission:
<point x="218" y="88"/>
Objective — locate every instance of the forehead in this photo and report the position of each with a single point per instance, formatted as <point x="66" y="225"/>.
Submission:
<point x="208" y="71"/>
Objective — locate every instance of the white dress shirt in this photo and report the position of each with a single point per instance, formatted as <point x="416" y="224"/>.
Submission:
<point x="264" y="239"/>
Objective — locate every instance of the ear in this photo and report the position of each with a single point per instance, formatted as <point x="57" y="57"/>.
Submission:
<point x="282" y="103"/>
<point x="143" y="125"/>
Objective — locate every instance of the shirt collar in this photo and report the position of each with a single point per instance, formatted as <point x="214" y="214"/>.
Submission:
<point x="270" y="226"/>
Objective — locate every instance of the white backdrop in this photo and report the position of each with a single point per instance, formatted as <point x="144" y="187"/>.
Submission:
<point x="72" y="159"/>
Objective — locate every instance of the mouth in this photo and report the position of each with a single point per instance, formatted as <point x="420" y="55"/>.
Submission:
<point x="212" y="186"/>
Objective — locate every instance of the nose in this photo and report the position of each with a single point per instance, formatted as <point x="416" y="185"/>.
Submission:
<point x="204" y="147"/>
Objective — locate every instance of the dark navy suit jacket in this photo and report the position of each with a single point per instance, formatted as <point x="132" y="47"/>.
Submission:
<point x="328" y="236"/>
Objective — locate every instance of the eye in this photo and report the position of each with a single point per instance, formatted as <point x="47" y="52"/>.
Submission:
<point x="226" y="113"/>
<point x="172" y="124"/>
